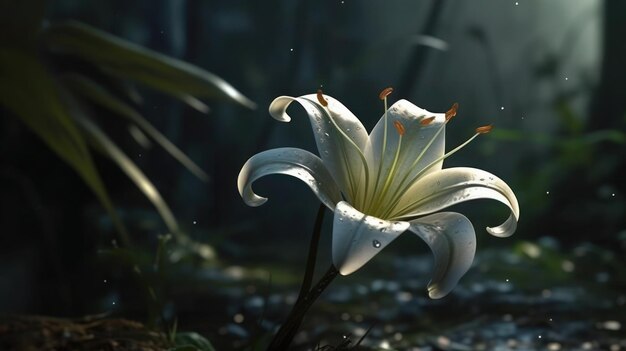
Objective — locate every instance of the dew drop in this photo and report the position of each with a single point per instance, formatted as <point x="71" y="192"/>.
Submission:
<point x="328" y="135"/>
<point x="376" y="244"/>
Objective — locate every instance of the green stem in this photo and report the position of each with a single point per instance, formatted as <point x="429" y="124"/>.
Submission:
<point x="310" y="269"/>
<point x="287" y="331"/>
<point x="310" y="262"/>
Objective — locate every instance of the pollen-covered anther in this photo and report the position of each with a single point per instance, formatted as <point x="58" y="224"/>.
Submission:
<point x="452" y="111"/>
<point x="484" y="129"/>
<point x="427" y="121"/>
<point x="320" y="98"/>
<point x="386" y="92"/>
<point x="399" y="127"/>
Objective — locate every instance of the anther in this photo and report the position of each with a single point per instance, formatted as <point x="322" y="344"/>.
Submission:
<point x="452" y="111"/>
<point x="484" y="129"/>
<point x="386" y="92"/>
<point x="427" y="121"/>
<point x="399" y="127"/>
<point x="321" y="99"/>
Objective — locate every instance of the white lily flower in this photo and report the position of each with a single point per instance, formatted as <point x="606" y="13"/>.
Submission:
<point x="381" y="184"/>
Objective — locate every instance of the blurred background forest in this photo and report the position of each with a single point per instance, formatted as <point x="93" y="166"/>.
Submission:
<point x="550" y="76"/>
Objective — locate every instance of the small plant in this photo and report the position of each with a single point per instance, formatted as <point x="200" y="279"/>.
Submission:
<point x="378" y="186"/>
<point x="57" y="77"/>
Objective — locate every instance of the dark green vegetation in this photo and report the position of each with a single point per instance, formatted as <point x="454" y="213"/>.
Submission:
<point x="87" y="87"/>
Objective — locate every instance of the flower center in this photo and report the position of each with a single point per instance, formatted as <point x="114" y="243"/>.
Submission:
<point x="385" y="198"/>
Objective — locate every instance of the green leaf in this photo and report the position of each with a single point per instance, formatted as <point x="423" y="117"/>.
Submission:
<point x="83" y="86"/>
<point x="107" y="147"/>
<point x="130" y="61"/>
<point x="31" y="94"/>
<point x="193" y="340"/>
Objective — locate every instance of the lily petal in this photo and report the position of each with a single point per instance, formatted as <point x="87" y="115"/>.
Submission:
<point x="426" y="142"/>
<point x="291" y="161"/>
<point x="451" y="238"/>
<point x="340" y="137"/>
<point x="451" y="186"/>
<point x="358" y="237"/>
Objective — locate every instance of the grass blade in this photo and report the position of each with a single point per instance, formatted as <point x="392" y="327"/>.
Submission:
<point x="31" y="94"/>
<point x="89" y="89"/>
<point x="130" y="61"/>
<point x="105" y="145"/>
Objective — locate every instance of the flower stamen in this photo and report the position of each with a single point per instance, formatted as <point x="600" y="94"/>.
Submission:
<point x="384" y="93"/>
<point x="399" y="127"/>
<point x="452" y="111"/>
<point x="395" y="198"/>
<point x="427" y="121"/>
<point x="383" y="96"/>
<point x="399" y="213"/>
<point x="392" y="172"/>
<point x="320" y="98"/>
<point x="484" y="129"/>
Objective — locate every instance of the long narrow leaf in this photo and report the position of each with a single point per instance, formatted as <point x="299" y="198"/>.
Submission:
<point x="89" y="89"/>
<point x="130" y="61"/>
<point x="108" y="148"/>
<point x="30" y="93"/>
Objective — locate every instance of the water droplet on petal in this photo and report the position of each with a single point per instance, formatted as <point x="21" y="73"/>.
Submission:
<point x="376" y="244"/>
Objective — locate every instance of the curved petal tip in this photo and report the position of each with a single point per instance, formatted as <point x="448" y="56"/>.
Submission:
<point x="506" y="229"/>
<point x="435" y="291"/>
